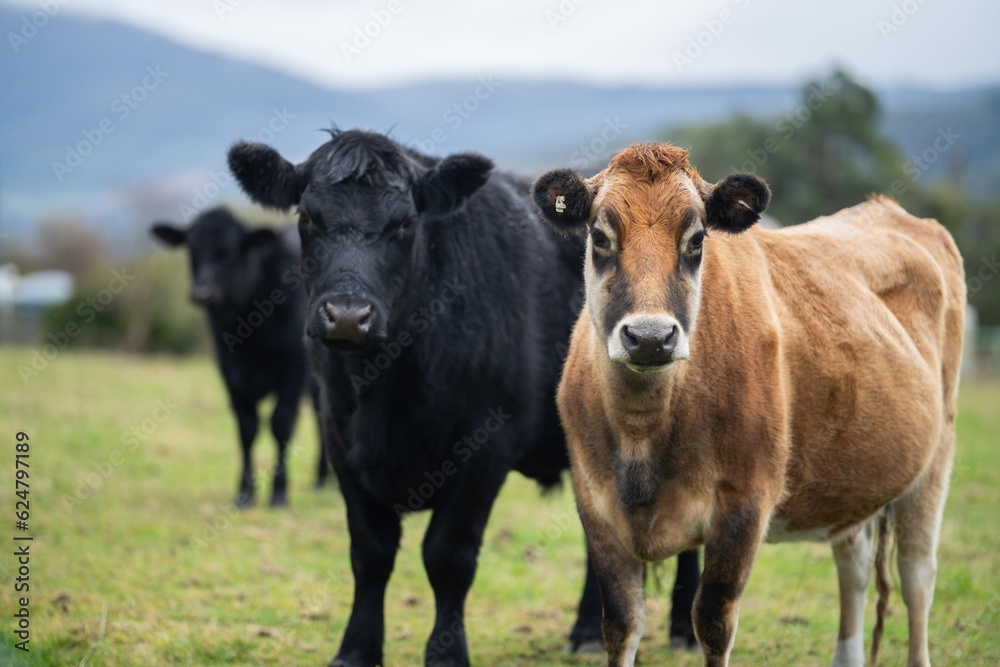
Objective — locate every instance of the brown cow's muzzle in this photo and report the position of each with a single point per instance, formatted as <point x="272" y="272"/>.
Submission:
<point x="647" y="343"/>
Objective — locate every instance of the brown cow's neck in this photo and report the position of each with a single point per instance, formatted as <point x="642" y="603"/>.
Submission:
<point x="638" y="404"/>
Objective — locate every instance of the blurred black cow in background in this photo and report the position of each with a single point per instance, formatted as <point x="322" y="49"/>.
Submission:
<point x="436" y="321"/>
<point x="241" y="277"/>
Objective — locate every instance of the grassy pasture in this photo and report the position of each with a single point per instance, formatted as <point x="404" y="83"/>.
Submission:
<point x="138" y="560"/>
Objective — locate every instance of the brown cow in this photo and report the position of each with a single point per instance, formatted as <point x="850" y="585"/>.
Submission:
<point x="723" y="388"/>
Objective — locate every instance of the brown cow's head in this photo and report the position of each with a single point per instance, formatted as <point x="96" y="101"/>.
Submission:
<point x="648" y="217"/>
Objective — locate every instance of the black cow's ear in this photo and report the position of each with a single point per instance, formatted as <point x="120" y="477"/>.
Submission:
<point x="169" y="234"/>
<point x="736" y="203"/>
<point x="564" y="199"/>
<point x="268" y="179"/>
<point x="257" y="237"/>
<point x="452" y="180"/>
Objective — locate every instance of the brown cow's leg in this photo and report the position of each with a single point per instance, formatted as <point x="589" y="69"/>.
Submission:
<point x="619" y="577"/>
<point x="730" y="550"/>
<point x="917" y="519"/>
<point x="853" y="556"/>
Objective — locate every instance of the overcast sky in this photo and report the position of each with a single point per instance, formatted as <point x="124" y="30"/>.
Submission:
<point x="652" y="42"/>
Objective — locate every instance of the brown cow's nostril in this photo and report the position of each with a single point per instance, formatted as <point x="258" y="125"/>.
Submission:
<point x="630" y="340"/>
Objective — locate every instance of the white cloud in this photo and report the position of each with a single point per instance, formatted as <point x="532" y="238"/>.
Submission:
<point x="609" y="43"/>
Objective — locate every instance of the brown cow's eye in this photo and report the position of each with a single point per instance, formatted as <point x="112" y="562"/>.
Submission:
<point x="600" y="239"/>
<point x="696" y="242"/>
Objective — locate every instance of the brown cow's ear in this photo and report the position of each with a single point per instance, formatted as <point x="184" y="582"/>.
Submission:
<point x="565" y="200"/>
<point x="736" y="203"/>
<point x="268" y="179"/>
<point x="169" y="234"/>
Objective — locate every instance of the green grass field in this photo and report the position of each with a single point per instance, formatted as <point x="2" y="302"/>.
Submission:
<point x="138" y="560"/>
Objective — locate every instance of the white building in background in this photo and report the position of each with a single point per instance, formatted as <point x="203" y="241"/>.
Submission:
<point x="23" y="299"/>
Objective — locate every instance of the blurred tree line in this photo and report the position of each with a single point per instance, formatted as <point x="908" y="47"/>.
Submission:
<point x="829" y="152"/>
<point x="150" y="313"/>
<point x="143" y="310"/>
<point x="826" y="153"/>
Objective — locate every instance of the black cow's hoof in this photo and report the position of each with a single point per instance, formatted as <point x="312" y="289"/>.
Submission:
<point x="684" y="643"/>
<point x="585" y="647"/>
<point x="279" y="500"/>
<point x="243" y="501"/>
<point x="343" y="662"/>
<point x="447" y="662"/>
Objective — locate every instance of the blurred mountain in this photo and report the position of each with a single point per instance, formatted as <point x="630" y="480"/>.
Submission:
<point x="110" y="123"/>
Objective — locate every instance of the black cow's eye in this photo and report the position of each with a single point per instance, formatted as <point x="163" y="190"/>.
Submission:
<point x="600" y="239"/>
<point x="405" y="226"/>
<point x="306" y="224"/>
<point x="696" y="242"/>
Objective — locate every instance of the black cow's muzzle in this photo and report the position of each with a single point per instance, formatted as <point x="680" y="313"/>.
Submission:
<point x="345" y="326"/>
<point x="204" y="295"/>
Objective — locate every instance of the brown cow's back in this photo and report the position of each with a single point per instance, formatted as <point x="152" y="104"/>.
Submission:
<point x="870" y="303"/>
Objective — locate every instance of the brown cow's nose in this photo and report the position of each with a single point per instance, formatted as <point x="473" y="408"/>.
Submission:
<point x="650" y="342"/>
<point x="347" y="323"/>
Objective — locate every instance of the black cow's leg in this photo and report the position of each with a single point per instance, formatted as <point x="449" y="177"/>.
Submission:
<point x="375" y="532"/>
<point x="450" y="551"/>
<point x="586" y="634"/>
<point x="323" y="467"/>
<point x="248" y="423"/>
<point x="282" y="426"/>
<point x="682" y="601"/>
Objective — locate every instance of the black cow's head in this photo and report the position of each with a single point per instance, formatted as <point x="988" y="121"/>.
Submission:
<point x="363" y="201"/>
<point x="219" y="248"/>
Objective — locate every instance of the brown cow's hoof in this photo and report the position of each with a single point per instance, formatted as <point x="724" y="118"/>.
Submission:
<point x="585" y="647"/>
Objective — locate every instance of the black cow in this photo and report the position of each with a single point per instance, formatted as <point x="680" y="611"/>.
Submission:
<point x="436" y="319"/>
<point x="245" y="280"/>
